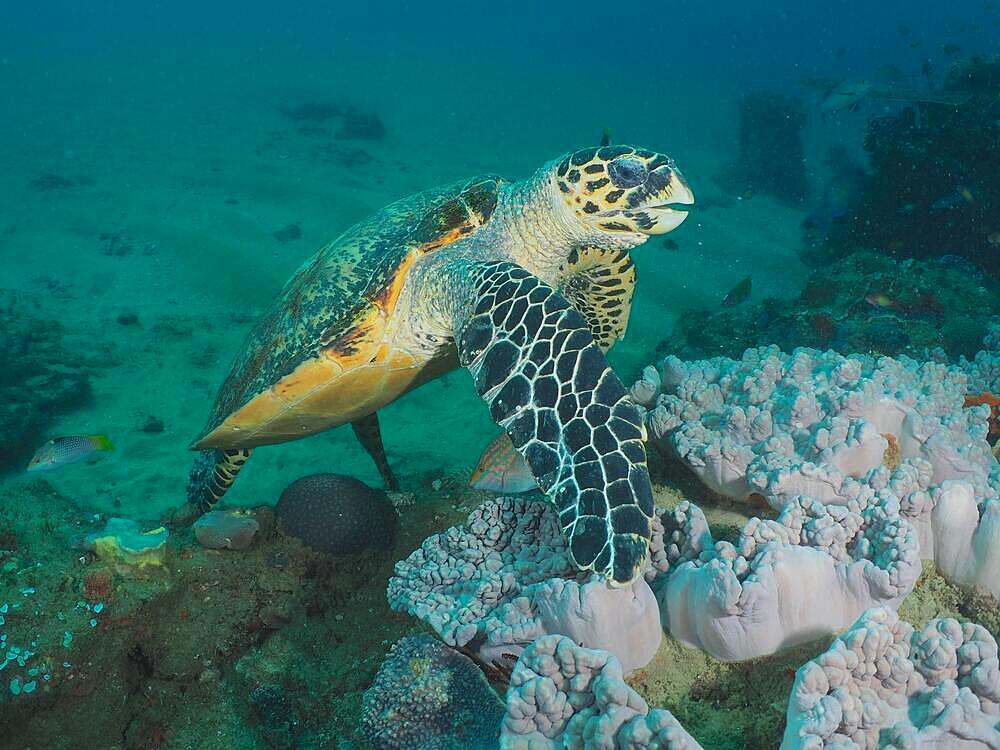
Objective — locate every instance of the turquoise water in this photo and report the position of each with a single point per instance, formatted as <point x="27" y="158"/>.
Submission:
<point x="148" y="168"/>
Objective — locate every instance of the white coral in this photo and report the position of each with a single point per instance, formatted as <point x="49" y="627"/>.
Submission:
<point x="564" y="696"/>
<point x="505" y="578"/>
<point x="784" y="582"/>
<point x="879" y="685"/>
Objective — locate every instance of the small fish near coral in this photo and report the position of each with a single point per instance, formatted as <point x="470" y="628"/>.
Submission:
<point x="739" y="293"/>
<point x="501" y="469"/>
<point x="68" y="450"/>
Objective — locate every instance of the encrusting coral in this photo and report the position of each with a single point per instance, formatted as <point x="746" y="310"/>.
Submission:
<point x="505" y="578"/>
<point x="880" y="685"/>
<point x="428" y="696"/>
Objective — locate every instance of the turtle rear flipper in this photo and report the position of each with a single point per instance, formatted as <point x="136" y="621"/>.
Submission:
<point x="215" y="469"/>
<point x="369" y="434"/>
<point x="213" y="472"/>
<point x="549" y="386"/>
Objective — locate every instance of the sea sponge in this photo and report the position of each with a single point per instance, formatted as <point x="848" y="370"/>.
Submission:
<point x="226" y="530"/>
<point x="337" y="514"/>
<point x="123" y="541"/>
<point x="427" y="696"/>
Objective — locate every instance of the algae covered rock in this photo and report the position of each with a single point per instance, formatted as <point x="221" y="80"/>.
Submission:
<point x="337" y="514"/>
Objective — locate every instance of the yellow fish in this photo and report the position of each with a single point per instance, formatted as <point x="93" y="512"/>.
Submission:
<point x="67" y="450"/>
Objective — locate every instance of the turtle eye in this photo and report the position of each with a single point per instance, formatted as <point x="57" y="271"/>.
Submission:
<point x="627" y="172"/>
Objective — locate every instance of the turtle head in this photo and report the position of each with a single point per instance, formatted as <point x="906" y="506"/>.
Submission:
<point x="622" y="191"/>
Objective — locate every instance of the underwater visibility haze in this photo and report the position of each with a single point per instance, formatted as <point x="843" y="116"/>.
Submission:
<point x="431" y="376"/>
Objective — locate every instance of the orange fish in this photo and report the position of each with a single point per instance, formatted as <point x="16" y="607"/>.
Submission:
<point x="501" y="469"/>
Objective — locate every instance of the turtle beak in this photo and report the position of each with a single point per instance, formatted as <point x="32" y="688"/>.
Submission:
<point x="667" y="218"/>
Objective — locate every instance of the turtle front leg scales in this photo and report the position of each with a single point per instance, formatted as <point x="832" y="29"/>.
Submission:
<point x="549" y="386"/>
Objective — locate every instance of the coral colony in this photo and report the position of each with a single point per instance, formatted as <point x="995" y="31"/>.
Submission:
<point x="872" y="465"/>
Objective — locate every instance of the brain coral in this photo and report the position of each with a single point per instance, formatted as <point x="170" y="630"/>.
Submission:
<point x="336" y="514"/>
<point x="427" y="696"/>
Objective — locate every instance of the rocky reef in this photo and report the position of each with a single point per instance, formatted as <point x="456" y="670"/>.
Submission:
<point x="866" y="302"/>
<point x="771" y="155"/>
<point x="934" y="183"/>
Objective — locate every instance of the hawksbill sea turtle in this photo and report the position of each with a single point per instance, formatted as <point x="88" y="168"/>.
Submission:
<point x="524" y="283"/>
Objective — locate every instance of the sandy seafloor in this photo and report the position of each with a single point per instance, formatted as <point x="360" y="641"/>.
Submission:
<point x="207" y="176"/>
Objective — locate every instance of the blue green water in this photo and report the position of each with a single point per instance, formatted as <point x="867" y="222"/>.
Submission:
<point x="164" y="121"/>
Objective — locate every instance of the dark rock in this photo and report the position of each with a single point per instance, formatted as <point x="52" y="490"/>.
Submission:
<point x="152" y="425"/>
<point x="336" y="514"/>
<point x="312" y="111"/>
<point x="771" y="153"/>
<point x="38" y="382"/>
<point x="288" y="233"/>
<point x="279" y="723"/>
<point x="128" y="319"/>
<point x="359" y="125"/>
<point x="48" y="182"/>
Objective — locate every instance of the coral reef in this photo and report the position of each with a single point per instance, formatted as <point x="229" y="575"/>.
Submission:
<point x="841" y="430"/>
<point x="771" y="155"/>
<point x="562" y="695"/>
<point x="811" y="423"/>
<point x="866" y="302"/>
<point x="882" y="685"/>
<point x="427" y="696"/>
<point x="783" y="582"/>
<point x="934" y="183"/>
<point x="505" y="578"/>
<point x="957" y="529"/>
<point x="211" y="650"/>
<point x="337" y="514"/>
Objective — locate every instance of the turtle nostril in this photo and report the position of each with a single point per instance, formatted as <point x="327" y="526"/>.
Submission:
<point x="627" y="172"/>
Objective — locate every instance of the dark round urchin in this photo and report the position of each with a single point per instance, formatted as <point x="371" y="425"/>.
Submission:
<point x="337" y="514"/>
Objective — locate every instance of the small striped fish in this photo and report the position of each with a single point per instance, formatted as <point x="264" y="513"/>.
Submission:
<point x="67" y="450"/>
<point x="501" y="469"/>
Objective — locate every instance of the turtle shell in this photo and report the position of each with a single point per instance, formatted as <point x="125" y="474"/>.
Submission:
<point x="325" y="327"/>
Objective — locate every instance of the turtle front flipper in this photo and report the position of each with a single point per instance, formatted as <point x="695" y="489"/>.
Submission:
<point x="212" y="473"/>
<point x="549" y="386"/>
